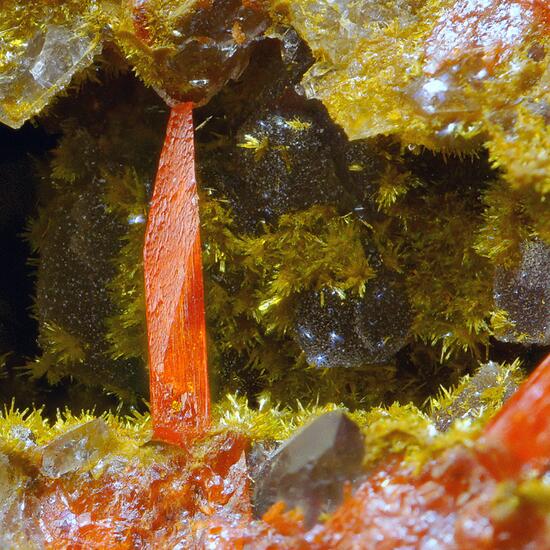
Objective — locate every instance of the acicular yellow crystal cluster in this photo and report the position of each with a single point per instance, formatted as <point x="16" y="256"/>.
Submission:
<point x="446" y="75"/>
<point x="186" y="50"/>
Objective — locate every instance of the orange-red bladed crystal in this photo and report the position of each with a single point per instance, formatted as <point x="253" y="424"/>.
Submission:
<point x="180" y="401"/>
<point x="517" y="440"/>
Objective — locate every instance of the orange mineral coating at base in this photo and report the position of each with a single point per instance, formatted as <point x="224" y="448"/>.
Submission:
<point x="161" y="496"/>
<point x="134" y="504"/>
<point x="180" y="400"/>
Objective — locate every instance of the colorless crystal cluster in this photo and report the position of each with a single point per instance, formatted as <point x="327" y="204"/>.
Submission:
<point x="37" y="70"/>
<point x="76" y="449"/>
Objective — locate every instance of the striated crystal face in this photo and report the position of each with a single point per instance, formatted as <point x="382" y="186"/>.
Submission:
<point x="75" y="449"/>
<point x="524" y="294"/>
<point x="309" y="470"/>
<point x="351" y="332"/>
<point x="33" y="72"/>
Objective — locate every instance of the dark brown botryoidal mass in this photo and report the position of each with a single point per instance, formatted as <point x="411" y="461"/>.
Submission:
<point x="285" y="162"/>
<point x="72" y="295"/>
<point x="325" y="330"/>
<point x="523" y="293"/>
<point x="337" y="331"/>
<point x="309" y="470"/>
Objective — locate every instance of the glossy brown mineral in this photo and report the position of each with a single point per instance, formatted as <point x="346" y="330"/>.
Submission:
<point x="309" y="471"/>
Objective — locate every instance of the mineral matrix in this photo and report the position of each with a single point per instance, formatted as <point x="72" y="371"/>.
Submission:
<point x="363" y="262"/>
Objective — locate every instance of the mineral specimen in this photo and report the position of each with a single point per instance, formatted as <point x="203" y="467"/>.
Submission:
<point x="426" y="489"/>
<point x="436" y="64"/>
<point x="76" y="449"/>
<point x="326" y="331"/>
<point x="72" y="298"/>
<point x="180" y="397"/>
<point x="350" y="332"/>
<point x="490" y="384"/>
<point x="523" y="293"/>
<point x="285" y="164"/>
<point x="309" y="470"/>
<point x="377" y="253"/>
<point x="36" y="69"/>
<point x="200" y="47"/>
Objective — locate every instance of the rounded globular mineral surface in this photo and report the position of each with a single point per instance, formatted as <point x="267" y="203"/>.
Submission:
<point x="286" y="164"/>
<point x="325" y="330"/>
<point x="198" y="47"/>
<point x="524" y="294"/>
<point x="352" y="332"/>
<point x="383" y="316"/>
<point x="72" y="298"/>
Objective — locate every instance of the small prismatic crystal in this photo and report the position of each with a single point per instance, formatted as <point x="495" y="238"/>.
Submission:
<point x="491" y="382"/>
<point x="75" y="449"/>
<point x="309" y="470"/>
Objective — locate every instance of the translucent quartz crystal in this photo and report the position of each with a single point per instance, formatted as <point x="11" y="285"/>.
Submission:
<point x="76" y="449"/>
<point x="309" y="470"/>
<point x="32" y="72"/>
<point x="347" y="39"/>
<point x="16" y="531"/>
<point x="524" y="294"/>
<point x="471" y="400"/>
<point x="331" y="25"/>
<point x="465" y="46"/>
<point x="351" y="332"/>
<point x="285" y="164"/>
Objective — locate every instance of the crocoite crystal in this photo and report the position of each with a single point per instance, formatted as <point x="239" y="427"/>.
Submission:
<point x="180" y="402"/>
